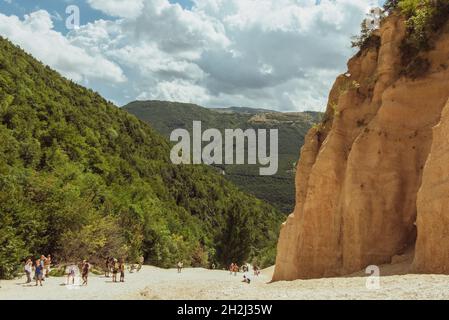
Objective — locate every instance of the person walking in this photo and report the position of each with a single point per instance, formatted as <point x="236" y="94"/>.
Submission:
<point x="180" y="266"/>
<point x="236" y="269"/>
<point x="107" y="267"/>
<point x="28" y="270"/>
<point x="115" y="268"/>
<point x="47" y="265"/>
<point x="246" y="278"/>
<point x="122" y="270"/>
<point x="256" y="270"/>
<point x="141" y="262"/>
<point x="111" y="265"/>
<point x="38" y="272"/>
<point x="85" y="272"/>
<point x="71" y="273"/>
<point x="42" y="263"/>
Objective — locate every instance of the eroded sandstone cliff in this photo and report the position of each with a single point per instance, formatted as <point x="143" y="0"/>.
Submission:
<point x="360" y="171"/>
<point x="432" y="246"/>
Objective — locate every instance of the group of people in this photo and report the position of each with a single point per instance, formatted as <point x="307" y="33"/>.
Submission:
<point x="73" y="269"/>
<point x="40" y="267"/>
<point x="114" y="266"/>
<point x="234" y="269"/>
<point x="39" y="270"/>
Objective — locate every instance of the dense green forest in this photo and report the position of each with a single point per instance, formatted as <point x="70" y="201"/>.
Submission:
<point x="279" y="189"/>
<point x="81" y="178"/>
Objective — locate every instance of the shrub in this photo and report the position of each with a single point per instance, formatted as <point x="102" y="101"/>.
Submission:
<point x="417" y="68"/>
<point x="94" y="241"/>
<point x="366" y="39"/>
<point x="58" y="271"/>
<point x="390" y="5"/>
<point x="424" y="19"/>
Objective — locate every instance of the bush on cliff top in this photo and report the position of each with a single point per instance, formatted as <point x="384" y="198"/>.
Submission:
<point x="424" y="18"/>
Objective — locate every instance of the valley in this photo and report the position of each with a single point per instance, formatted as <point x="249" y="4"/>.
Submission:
<point x="277" y="189"/>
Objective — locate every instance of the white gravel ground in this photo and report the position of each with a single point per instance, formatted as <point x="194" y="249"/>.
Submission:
<point x="155" y="283"/>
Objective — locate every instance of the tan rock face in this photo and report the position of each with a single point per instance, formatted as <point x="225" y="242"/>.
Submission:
<point x="359" y="174"/>
<point x="432" y="246"/>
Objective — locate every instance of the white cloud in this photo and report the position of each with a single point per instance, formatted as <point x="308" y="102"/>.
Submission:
<point x="35" y="34"/>
<point x="177" y="90"/>
<point x="279" y="54"/>
<point x="118" y="8"/>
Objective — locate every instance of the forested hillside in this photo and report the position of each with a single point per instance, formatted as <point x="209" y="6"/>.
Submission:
<point x="81" y="178"/>
<point x="279" y="189"/>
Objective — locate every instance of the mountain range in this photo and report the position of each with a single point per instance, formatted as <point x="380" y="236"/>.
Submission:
<point x="278" y="189"/>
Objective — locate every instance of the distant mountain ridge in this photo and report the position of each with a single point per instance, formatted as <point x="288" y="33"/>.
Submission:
<point x="278" y="190"/>
<point x="243" y="110"/>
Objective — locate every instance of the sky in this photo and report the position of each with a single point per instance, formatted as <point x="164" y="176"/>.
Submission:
<point x="277" y="54"/>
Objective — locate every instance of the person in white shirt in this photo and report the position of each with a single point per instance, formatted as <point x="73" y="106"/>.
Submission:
<point x="28" y="270"/>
